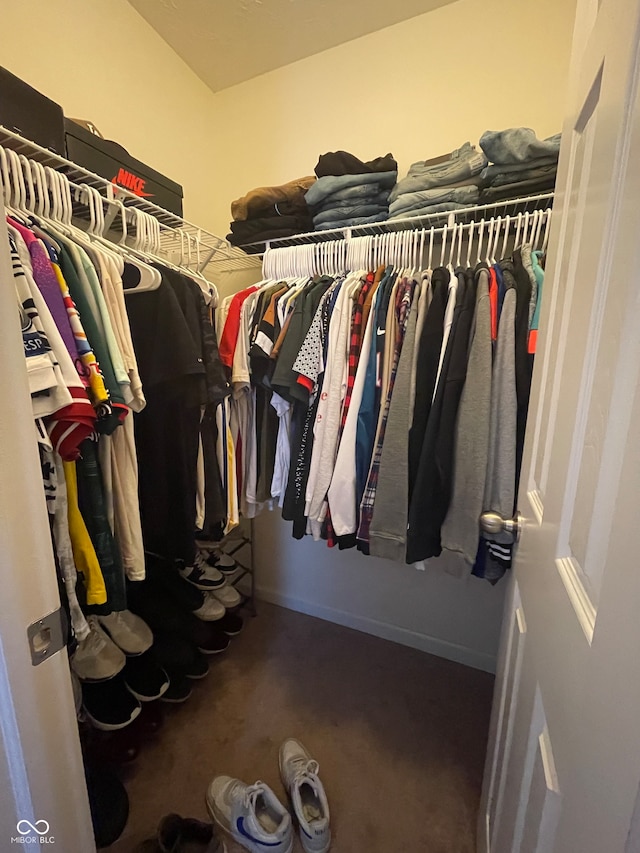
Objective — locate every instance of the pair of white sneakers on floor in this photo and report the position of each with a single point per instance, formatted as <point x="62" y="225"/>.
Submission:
<point x="255" y="818"/>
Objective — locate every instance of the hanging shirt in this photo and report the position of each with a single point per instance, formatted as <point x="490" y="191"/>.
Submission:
<point x="448" y="320"/>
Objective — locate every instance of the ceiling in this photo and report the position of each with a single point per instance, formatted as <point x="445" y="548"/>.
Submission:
<point x="228" y="41"/>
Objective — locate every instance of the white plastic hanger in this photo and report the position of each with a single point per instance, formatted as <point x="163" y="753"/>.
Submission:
<point x="507" y="223"/>
<point x="480" y="236"/>
<point x="545" y="239"/>
<point x="471" y="227"/>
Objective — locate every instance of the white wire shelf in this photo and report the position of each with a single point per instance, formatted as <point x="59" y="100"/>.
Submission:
<point x="206" y="252"/>
<point x="507" y="207"/>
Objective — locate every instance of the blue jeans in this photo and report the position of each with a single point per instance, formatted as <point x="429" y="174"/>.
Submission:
<point x="413" y="201"/>
<point x="331" y="184"/>
<point x="518" y="145"/>
<point x="347" y="223"/>
<point x="463" y="163"/>
<point x="340" y="213"/>
<point x="430" y="208"/>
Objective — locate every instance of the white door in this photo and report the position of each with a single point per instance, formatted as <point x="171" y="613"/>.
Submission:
<point x="43" y="798"/>
<point x="563" y="767"/>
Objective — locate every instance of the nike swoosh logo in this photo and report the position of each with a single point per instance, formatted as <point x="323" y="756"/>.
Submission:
<point x="243" y="832"/>
<point x="380" y="331"/>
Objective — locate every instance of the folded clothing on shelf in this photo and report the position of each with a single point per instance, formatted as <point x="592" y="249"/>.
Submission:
<point x="254" y="203"/>
<point x="416" y="203"/>
<point x="455" y="169"/>
<point x="268" y="228"/>
<point x="522" y="164"/>
<point x="517" y="189"/>
<point x="343" y="163"/>
<point x="518" y="145"/>
<point x="341" y="201"/>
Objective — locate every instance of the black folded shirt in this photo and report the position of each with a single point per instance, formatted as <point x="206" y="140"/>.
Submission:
<point x="268" y="228"/>
<point x="343" y="163"/>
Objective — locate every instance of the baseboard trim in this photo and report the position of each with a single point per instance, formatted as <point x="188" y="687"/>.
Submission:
<point x="384" y="630"/>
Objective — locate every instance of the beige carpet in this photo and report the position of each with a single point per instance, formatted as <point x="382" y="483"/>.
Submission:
<point x="400" y="736"/>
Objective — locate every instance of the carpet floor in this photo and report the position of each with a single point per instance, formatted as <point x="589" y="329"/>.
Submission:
<point x="400" y="736"/>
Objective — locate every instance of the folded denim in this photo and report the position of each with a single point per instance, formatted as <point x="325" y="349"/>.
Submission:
<point x="463" y="163"/>
<point x="516" y="168"/>
<point x="348" y="223"/>
<point x="343" y="163"/>
<point x="352" y="212"/>
<point x="410" y="201"/>
<point x="518" y="189"/>
<point x="541" y="173"/>
<point x="333" y="203"/>
<point x="517" y="145"/>
<point x="255" y="200"/>
<point x="330" y="184"/>
<point x="442" y="207"/>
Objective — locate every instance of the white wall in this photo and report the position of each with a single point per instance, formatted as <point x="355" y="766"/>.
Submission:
<point x="418" y="89"/>
<point x="100" y="60"/>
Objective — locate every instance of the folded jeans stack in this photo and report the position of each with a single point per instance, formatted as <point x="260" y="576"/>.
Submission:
<point x="448" y="182"/>
<point x="349" y="191"/>
<point x="521" y="164"/>
<point x="269" y="213"/>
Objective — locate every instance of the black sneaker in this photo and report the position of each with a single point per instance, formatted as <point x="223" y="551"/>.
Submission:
<point x="179" y="691"/>
<point x="108" y="802"/>
<point x="108" y="704"/>
<point x="145" y="678"/>
<point x="202" y="575"/>
<point x="222" y="562"/>
<point x="231" y="624"/>
<point x="216" y="642"/>
<point x="177" y="834"/>
<point x="199" y="667"/>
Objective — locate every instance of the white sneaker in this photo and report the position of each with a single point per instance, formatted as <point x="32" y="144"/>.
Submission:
<point x="202" y="575"/>
<point x="300" y="776"/>
<point x="211" y="609"/>
<point x="227" y="595"/>
<point x="251" y="814"/>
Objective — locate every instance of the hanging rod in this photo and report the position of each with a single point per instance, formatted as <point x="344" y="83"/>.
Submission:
<point x="213" y="250"/>
<point x="508" y="207"/>
<point x="405" y="247"/>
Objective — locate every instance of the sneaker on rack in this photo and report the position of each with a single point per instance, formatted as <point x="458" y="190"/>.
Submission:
<point x="227" y="595"/>
<point x="145" y="678"/>
<point x="211" y="609"/>
<point x="221" y="561"/>
<point x="97" y="658"/>
<point x="128" y="631"/>
<point x="300" y="777"/>
<point x="251" y="814"/>
<point x="109" y="705"/>
<point x="231" y="624"/>
<point x="202" y="575"/>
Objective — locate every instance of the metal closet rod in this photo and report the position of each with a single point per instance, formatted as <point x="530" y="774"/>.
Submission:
<point x="407" y="247"/>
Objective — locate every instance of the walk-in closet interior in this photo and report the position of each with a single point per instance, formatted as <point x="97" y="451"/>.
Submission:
<point x="279" y="268"/>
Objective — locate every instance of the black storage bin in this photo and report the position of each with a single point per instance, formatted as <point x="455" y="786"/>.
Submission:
<point x="111" y="161"/>
<point x="24" y="110"/>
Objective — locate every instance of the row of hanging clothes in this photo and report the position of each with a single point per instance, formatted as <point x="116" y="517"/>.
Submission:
<point x="124" y="374"/>
<point x="380" y="397"/>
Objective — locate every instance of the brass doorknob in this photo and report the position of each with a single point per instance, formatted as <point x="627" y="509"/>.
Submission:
<point x="492" y="524"/>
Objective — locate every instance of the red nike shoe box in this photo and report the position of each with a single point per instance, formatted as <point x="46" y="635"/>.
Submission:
<point x="112" y="161"/>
